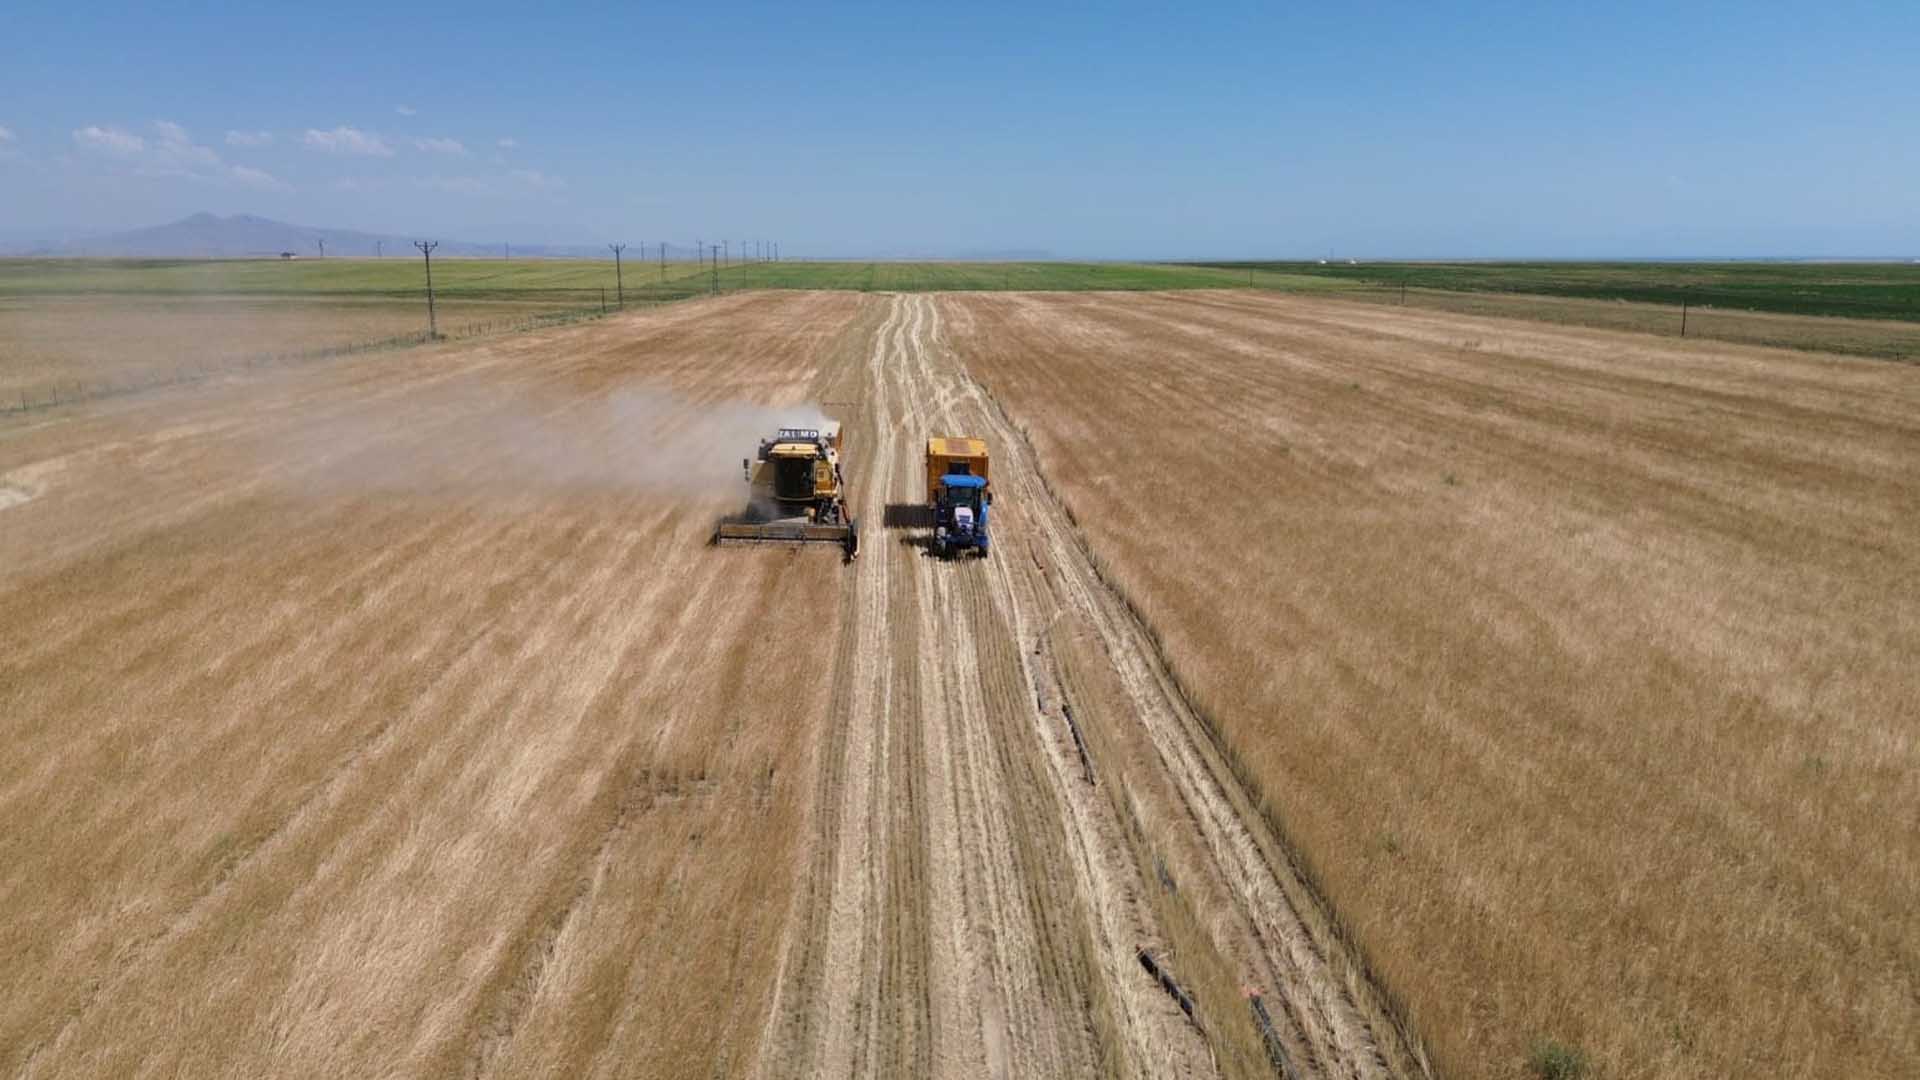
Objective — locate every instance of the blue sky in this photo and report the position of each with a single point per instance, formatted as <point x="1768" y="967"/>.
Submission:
<point x="1410" y="130"/>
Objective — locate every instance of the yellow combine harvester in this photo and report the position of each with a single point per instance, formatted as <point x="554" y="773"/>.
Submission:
<point x="796" y="492"/>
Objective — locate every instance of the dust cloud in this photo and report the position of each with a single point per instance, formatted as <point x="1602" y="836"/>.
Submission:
<point x="635" y="440"/>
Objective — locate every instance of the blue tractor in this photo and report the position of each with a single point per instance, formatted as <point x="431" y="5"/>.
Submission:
<point x="960" y="510"/>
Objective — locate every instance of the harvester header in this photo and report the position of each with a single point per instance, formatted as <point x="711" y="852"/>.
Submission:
<point x="796" y="492"/>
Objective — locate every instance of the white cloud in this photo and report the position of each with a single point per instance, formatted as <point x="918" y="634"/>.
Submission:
<point x="249" y="138"/>
<point x="258" y="179"/>
<point x="507" y="144"/>
<point x="537" y="180"/>
<point x="177" y="152"/>
<point x="406" y="110"/>
<point x="439" y="146"/>
<point x="6" y="134"/>
<point x="346" y="140"/>
<point x="172" y="154"/>
<point x="109" y="140"/>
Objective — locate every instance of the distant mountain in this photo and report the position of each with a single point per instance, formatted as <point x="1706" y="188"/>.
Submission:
<point x="246" y="236"/>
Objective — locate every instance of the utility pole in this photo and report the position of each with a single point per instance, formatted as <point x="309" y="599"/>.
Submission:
<point x="663" y="260"/>
<point x="323" y="247"/>
<point x="426" y="249"/>
<point x="700" y="249"/>
<point x="506" y="252"/>
<point x="377" y="252"/>
<point x="619" y="286"/>
<point x="716" y="269"/>
<point x="726" y="251"/>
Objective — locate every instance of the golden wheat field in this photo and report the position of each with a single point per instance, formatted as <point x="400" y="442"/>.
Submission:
<point x="1579" y="665"/>
<point x="1351" y="692"/>
<point x="392" y="716"/>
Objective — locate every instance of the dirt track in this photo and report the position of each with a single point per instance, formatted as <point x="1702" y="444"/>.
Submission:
<point x="976" y="902"/>
<point x="363" y="721"/>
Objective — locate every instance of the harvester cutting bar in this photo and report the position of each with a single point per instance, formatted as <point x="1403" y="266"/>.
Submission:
<point x="775" y="532"/>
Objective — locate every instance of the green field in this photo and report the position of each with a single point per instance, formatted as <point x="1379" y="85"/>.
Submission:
<point x="1881" y="290"/>
<point x="531" y="279"/>
<point x="492" y="279"/>
<point x="1868" y="309"/>
<point x="1858" y="290"/>
<point x="989" y="276"/>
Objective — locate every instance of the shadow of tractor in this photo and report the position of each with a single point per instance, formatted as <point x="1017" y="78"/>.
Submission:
<point x="913" y="520"/>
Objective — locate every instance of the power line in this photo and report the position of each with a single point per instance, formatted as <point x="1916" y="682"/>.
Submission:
<point x="426" y="249"/>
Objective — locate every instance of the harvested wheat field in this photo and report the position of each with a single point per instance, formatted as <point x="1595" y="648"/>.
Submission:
<point x="1350" y="692"/>
<point x="391" y="716"/>
<point x="72" y="346"/>
<point x="1579" y="665"/>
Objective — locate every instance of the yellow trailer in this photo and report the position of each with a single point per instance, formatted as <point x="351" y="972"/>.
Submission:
<point x="958" y="494"/>
<point x="953" y="455"/>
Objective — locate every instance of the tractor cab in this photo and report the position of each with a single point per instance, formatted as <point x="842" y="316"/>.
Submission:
<point x="960" y="514"/>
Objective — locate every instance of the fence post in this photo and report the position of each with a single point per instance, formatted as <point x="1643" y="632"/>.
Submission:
<point x="1683" y="314"/>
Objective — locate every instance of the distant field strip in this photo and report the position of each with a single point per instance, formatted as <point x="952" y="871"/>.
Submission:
<point x="1856" y="290"/>
<point x="388" y="277"/>
<point x="999" y="277"/>
<point x="78" y="329"/>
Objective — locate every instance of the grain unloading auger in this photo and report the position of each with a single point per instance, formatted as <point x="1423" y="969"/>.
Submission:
<point x="797" y="493"/>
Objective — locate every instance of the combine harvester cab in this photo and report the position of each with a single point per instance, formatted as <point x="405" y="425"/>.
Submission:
<point x="959" y="494"/>
<point x="797" y="494"/>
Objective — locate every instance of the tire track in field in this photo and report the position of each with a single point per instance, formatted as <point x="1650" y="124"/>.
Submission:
<point x="1009" y="923"/>
<point x="976" y="905"/>
<point x="821" y="1014"/>
<point x="1284" y="941"/>
<point x="942" y="940"/>
<point x="1073" y="824"/>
